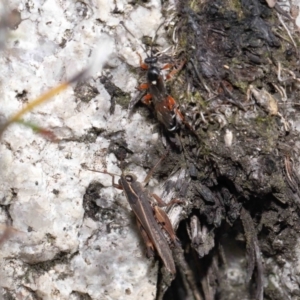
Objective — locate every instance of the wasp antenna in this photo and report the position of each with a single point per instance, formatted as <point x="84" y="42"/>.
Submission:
<point x="125" y="27"/>
<point x="155" y="37"/>
<point x="144" y="50"/>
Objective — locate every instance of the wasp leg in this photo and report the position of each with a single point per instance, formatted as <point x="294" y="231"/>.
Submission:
<point x="163" y="219"/>
<point x="147" y="99"/>
<point x="168" y="114"/>
<point x="142" y="64"/>
<point x="179" y="115"/>
<point x="175" y="71"/>
<point x="143" y="86"/>
<point x="167" y="66"/>
<point x="149" y="245"/>
<point x="180" y="118"/>
<point x="171" y="104"/>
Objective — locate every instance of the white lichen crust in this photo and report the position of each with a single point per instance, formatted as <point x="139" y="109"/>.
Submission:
<point x="56" y="252"/>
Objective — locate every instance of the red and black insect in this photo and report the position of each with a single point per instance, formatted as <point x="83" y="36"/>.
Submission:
<point x="157" y="96"/>
<point x="165" y="106"/>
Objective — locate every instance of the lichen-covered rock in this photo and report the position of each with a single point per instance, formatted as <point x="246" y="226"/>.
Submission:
<point x="59" y="249"/>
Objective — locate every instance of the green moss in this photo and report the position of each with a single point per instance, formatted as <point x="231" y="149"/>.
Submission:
<point x="123" y="100"/>
<point x="235" y="5"/>
<point x="243" y="86"/>
<point x="197" y="97"/>
<point x="266" y="128"/>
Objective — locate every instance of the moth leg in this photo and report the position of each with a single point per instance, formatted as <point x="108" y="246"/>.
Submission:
<point x="149" y="245"/>
<point x="162" y="203"/>
<point x="114" y="184"/>
<point x="148" y="177"/>
<point x="163" y="219"/>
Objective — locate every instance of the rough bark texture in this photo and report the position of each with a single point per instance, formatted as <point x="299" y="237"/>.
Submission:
<point x="241" y="91"/>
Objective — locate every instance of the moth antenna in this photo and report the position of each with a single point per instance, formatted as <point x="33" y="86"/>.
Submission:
<point x="100" y="171"/>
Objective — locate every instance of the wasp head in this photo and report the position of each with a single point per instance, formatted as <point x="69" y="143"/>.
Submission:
<point x="151" y="60"/>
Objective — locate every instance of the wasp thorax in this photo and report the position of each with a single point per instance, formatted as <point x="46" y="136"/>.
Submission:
<point x="153" y="74"/>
